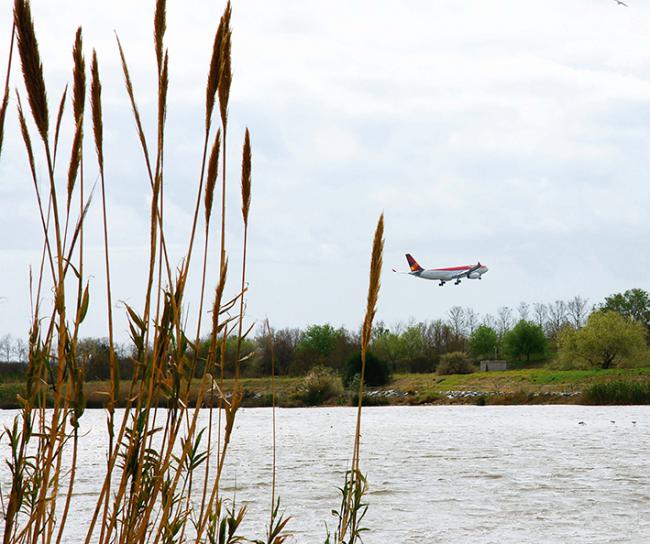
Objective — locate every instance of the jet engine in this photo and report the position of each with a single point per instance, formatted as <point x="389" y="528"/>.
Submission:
<point x="475" y="276"/>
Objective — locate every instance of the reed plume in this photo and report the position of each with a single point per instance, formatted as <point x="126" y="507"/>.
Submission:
<point x="5" y="97"/>
<point x="96" y="109"/>
<point x="214" y="73"/>
<point x="31" y="65"/>
<point x="57" y="128"/>
<point x="352" y="508"/>
<point x="246" y="177"/>
<point x="79" y="77"/>
<point x="146" y="495"/>
<point x="78" y="103"/>
<point x="160" y="26"/>
<point x="211" y="180"/>
<point x="225" y="76"/>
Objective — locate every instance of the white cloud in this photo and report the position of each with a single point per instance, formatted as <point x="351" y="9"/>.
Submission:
<point x="511" y="132"/>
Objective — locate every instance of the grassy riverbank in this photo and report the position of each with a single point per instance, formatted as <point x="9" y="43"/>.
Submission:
<point x="529" y="386"/>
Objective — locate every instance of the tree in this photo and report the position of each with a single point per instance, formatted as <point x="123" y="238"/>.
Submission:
<point x="483" y="342"/>
<point x="457" y="320"/>
<point x="389" y="347"/>
<point x="632" y="304"/>
<point x="284" y="349"/>
<point x="578" y="308"/>
<point x="524" y="310"/>
<point x="21" y="350"/>
<point x="6" y="348"/>
<point x="320" y="339"/>
<point x="541" y="313"/>
<point x="607" y="340"/>
<point x="471" y="319"/>
<point x="557" y="318"/>
<point x="376" y="373"/>
<point x="524" y="340"/>
<point x="504" y="321"/>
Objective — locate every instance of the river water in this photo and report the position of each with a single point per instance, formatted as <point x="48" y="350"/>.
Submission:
<point x="466" y="474"/>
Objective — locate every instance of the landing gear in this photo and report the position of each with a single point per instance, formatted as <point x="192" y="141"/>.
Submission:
<point x="457" y="282"/>
<point x="441" y="283"/>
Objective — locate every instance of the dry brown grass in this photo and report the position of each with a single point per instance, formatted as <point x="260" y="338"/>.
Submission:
<point x="155" y="455"/>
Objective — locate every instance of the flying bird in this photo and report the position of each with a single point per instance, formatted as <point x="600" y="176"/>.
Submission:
<point x="621" y="3"/>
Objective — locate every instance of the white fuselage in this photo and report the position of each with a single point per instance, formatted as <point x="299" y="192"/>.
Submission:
<point x="448" y="274"/>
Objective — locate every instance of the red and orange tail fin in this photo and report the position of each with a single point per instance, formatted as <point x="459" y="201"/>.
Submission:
<point x="413" y="264"/>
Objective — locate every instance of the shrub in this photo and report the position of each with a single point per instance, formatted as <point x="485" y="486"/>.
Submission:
<point x="421" y="365"/>
<point x="368" y="401"/>
<point x="377" y="370"/>
<point x="456" y="362"/>
<point x="618" y="392"/>
<point x="319" y="385"/>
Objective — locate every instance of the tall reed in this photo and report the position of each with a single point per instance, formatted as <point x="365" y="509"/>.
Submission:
<point x="159" y="453"/>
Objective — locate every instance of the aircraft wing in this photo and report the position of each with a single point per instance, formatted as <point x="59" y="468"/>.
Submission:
<point x="466" y="273"/>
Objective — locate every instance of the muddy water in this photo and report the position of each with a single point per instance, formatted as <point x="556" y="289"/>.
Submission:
<point x="528" y="474"/>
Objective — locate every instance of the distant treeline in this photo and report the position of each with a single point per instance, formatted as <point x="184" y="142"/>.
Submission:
<point x="565" y="331"/>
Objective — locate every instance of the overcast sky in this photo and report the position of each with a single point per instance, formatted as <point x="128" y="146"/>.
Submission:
<point x="514" y="133"/>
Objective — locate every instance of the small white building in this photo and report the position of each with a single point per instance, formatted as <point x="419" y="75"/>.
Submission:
<point x="488" y="366"/>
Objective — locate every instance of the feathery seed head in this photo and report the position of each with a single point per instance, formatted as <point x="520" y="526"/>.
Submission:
<point x="218" y="296"/>
<point x="31" y="65"/>
<point x="246" y="177"/>
<point x="3" y="113"/>
<point x="96" y="106"/>
<point x="213" y="169"/>
<point x="159" y="28"/>
<point x="162" y="91"/>
<point x="214" y="75"/>
<point x="373" y="287"/>
<point x="79" y="77"/>
<point x="26" y="138"/>
<point x="225" y="78"/>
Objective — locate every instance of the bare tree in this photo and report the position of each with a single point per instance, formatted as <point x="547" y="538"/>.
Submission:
<point x="457" y="320"/>
<point x="524" y="310"/>
<point x="541" y="314"/>
<point x="471" y="319"/>
<point x="6" y="348"/>
<point x="557" y="317"/>
<point x="578" y="309"/>
<point x="489" y="321"/>
<point x="20" y="350"/>
<point x="504" y="320"/>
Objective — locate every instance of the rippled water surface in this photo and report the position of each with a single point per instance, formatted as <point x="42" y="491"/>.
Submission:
<point x="523" y="474"/>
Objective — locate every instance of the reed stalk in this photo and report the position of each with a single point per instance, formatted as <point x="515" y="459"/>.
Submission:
<point x="156" y="458"/>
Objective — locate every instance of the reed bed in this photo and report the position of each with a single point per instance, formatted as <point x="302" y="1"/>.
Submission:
<point x="618" y="393"/>
<point x="163" y="471"/>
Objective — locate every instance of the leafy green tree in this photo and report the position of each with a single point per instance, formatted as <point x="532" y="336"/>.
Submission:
<point x="319" y="339"/>
<point x="525" y="340"/>
<point x="632" y="304"/>
<point x="607" y="340"/>
<point x="377" y="370"/>
<point x="483" y="342"/>
<point x="390" y="347"/>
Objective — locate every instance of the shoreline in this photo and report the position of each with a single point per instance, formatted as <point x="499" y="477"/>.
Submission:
<point x="511" y="387"/>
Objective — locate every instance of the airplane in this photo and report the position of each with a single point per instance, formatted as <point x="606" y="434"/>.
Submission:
<point x="443" y="275"/>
